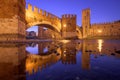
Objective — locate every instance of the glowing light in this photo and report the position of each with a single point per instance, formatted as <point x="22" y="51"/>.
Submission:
<point x="99" y="31"/>
<point x="65" y="51"/>
<point x="100" y="42"/>
<point x="29" y="14"/>
<point x="65" y="41"/>
<point x="29" y="67"/>
<point x="64" y="25"/>
<point x="53" y="36"/>
<point x="64" y="55"/>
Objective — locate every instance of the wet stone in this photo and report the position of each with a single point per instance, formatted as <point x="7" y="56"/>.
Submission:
<point x="113" y="54"/>
<point x="118" y="51"/>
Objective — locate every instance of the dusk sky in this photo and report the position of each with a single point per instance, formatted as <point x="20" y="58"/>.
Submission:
<point x="101" y="10"/>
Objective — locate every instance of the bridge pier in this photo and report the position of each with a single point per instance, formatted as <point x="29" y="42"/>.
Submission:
<point x="40" y="32"/>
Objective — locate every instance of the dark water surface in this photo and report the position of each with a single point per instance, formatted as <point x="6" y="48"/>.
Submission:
<point x="61" y="60"/>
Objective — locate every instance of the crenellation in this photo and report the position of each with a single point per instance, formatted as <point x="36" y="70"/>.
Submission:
<point x="48" y="14"/>
<point x="104" y="23"/>
<point x="55" y="17"/>
<point x="33" y="18"/>
<point x="85" y="10"/>
<point x="58" y="18"/>
<point x="40" y="11"/>
<point x="66" y="15"/>
<point x="36" y="10"/>
<point x="68" y="23"/>
<point x="107" y="29"/>
<point x="69" y="16"/>
<point x="30" y="7"/>
<point x="52" y="16"/>
<point x="16" y="21"/>
<point x="44" y="13"/>
<point x="72" y="15"/>
<point x="63" y="16"/>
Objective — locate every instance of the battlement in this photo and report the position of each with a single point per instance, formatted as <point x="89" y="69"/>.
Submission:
<point x="41" y="12"/>
<point x="86" y="10"/>
<point x="104" y="23"/>
<point x="69" y="16"/>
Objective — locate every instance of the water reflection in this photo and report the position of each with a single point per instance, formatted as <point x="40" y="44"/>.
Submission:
<point x="100" y="42"/>
<point x="68" y="55"/>
<point x="12" y="62"/>
<point x="55" y="60"/>
<point x="85" y="56"/>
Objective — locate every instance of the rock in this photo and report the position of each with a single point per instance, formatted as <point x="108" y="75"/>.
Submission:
<point x="88" y="51"/>
<point x="118" y="51"/>
<point x="113" y="54"/>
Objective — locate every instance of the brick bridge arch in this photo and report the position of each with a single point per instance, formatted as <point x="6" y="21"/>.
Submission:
<point x="35" y="16"/>
<point x="37" y="61"/>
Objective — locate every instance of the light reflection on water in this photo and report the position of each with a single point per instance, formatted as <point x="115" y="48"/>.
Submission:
<point x="62" y="60"/>
<point x="100" y="42"/>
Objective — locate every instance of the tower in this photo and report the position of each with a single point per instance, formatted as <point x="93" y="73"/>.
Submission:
<point x="86" y="22"/>
<point x="12" y="19"/>
<point x="68" y="26"/>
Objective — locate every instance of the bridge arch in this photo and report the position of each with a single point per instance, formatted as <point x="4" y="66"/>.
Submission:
<point x="79" y="32"/>
<point x="35" y="16"/>
<point x="43" y="24"/>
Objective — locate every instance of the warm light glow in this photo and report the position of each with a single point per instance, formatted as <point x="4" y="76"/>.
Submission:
<point x="65" y="41"/>
<point x="99" y="31"/>
<point x="65" y="51"/>
<point x="29" y="14"/>
<point x="64" y="55"/>
<point x="53" y="36"/>
<point x="64" y="25"/>
<point x="100" y="42"/>
<point x="29" y="67"/>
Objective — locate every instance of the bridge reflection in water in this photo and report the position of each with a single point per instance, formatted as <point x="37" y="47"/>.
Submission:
<point x="55" y="59"/>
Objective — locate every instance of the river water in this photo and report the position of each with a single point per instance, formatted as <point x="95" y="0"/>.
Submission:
<point x="61" y="60"/>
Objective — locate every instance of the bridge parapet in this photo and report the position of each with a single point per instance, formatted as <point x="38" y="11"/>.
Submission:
<point x="68" y="16"/>
<point x="34" y="14"/>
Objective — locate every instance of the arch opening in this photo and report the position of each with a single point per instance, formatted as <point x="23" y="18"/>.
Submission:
<point x="42" y="31"/>
<point x="46" y="24"/>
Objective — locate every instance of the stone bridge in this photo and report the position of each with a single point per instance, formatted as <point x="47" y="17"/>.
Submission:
<point x="14" y="17"/>
<point x="65" y="25"/>
<point x="39" y="17"/>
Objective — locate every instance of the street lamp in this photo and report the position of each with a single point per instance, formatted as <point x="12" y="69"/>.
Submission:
<point x="64" y="30"/>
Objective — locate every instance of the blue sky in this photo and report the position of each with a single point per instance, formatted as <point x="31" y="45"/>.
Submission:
<point x="101" y="10"/>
